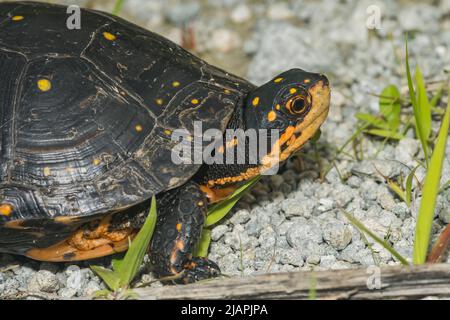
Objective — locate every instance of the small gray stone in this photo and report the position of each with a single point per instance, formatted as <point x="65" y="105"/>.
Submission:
<point x="354" y="182"/>
<point x="44" y="281"/>
<point x="291" y="256"/>
<point x="298" y="207"/>
<point x="337" y="234"/>
<point x="386" y="200"/>
<point x="240" y="217"/>
<point x="67" y="293"/>
<point x="267" y="238"/>
<point x="313" y="259"/>
<point x="218" y="232"/>
<point x="325" y="204"/>
<point x="91" y="288"/>
<point x="327" y="261"/>
<point x="76" y="278"/>
<point x="301" y="231"/>
<point x="237" y="239"/>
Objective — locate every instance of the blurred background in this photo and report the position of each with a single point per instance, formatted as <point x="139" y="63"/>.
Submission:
<point x="259" y="38"/>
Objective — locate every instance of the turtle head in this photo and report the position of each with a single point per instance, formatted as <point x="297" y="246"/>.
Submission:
<point x="295" y="103"/>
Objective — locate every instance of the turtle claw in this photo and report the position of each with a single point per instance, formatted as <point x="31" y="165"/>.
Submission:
<point x="198" y="269"/>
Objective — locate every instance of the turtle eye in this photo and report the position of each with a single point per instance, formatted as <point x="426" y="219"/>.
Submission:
<point x="298" y="105"/>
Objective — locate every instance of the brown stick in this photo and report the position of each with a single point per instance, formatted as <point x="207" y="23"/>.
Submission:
<point x="396" y="283"/>
<point x="440" y="248"/>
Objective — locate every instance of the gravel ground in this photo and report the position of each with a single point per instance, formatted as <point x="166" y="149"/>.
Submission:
<point x="292" y="221"/>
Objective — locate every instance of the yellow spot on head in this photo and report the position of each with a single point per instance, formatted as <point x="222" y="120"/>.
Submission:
<point x="17" y="18"/>
<point x="6" y="209"/>
<point x="159" y="101"/>
<point x="278" y="80"/>
<point x="178" y="227"/>
<point x="47" y="171"/>
<point x="109" y="36"/>
<point x="194" y="101"/>
<point x="278" y="107"/>
<point x="255" y="101"/>
<point x="168" y="132"/>
<point x="138" y="128"/>
<point x="96" y="162"/>
<point x="307" y="81"/>
<point x="175" y="84"/>
<point x="271" y="115"/>
<point x="293" y="90"/>
<point x="44" y="85"/>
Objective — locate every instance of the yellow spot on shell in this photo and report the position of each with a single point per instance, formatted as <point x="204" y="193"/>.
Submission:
<point x="178" y="227"/>
<point x="307" y="81"/>
<point x="44" y="85"/>
<point x="138" y="128"/>
<point x="159" y="101"/>
<point x="17" y="18"/>
<point x="96" y="162"/>
<point x="194" y="101"/>
<point x="293" y="90"/>
<point x="47" y="171"/>
<point x="278" y="80"/>
<point x="168" y="132"/>
<point x="255" y="101"/>
<point x="271" y="115"/>
<point x="6" y="209"/>
<point x="175" y="84"/>
<point x="109" y="36"/>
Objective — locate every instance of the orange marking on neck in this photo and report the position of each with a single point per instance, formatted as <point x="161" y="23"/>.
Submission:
<point x="216" y="195"/>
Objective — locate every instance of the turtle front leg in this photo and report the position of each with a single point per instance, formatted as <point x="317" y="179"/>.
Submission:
<point x="181" y="215"/>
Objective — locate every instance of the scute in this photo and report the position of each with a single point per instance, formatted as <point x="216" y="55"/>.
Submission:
<point x="85" y="113"/>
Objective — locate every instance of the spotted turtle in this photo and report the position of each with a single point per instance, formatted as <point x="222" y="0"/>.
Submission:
<point x="87" y="117"/>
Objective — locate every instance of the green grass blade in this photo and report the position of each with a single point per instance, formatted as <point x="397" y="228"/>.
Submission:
<point x="429" y="193"/>
<point x="382" y="242"/>
<point x="408" y="186"/>
<point x="220" y="210"/>
<point x="111" y="278"/>
<point x="397" y="189"/>
<point x="390" y="106"/>
<point x="417" y="115"/>
<point x="437" y="97"/>
<point x="424" y="105"/>
<point x="312" y="292"/>
<point x="203" y="245"/>
<point x="118" y="7"/>
<point x="372" y="120"/>
<point x="129" y="265"/>
<point x="385" y="134"/>
<point x="412" y="94"/>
